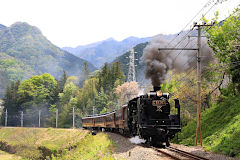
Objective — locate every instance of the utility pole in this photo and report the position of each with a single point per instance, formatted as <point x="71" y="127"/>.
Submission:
<point x="39" y="118"/>
<point x="6" y="117"/>
<point x="73" y="117"/>
<point x="198" y="129"/>
<point x="56" y="118"/>
<point x="21" y="118"/>
<point x="199" y="103"/>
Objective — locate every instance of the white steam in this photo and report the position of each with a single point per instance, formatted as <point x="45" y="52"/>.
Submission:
<point x="137" y="140"/>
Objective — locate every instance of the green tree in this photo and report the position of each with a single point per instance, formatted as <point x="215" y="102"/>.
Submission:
<point x="104" y="78"/>
<point x="85" y="70"/>
<point x="10" y="103"/>
<point x="224" y="40"/>
<point x="62" y="81"/>
<point x="67" y="102"/>
<point x="37" y="89"/>
<point x="99" y="90"/>
<point x="102" y="102"/>
<point x="85" y="74"/>
<point x="69" y="92"/>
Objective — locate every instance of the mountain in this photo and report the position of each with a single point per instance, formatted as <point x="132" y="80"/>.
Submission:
<point x="24" y="52"/>
<point x="105" y="51"/>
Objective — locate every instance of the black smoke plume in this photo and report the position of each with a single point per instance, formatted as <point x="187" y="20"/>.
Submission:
<point x="158" y="63"/>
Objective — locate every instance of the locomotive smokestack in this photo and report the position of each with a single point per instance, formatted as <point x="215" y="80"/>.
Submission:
<point x="155" y="88"/>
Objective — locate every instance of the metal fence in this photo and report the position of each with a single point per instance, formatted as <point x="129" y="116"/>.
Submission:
<point x="39" y="118"/>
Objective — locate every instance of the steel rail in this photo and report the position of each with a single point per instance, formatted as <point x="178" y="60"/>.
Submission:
<point x="186" y="154"/>
<point x="167" y="154"/>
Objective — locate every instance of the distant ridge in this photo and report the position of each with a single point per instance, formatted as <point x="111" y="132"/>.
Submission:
<point x="105" y="51"/>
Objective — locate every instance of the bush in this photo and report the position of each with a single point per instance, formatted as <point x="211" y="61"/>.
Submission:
<point x="220" y="128"/>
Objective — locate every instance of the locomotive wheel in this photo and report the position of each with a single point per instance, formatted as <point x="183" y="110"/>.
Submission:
<point x="153" y="141"/>
<point x="156" y="142"/>
<point x="167" y="143"/>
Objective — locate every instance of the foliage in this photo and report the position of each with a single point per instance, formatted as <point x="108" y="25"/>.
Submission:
<point x="220" y="123"/>
<point x="99" y="90"/>
<point x="10" y="101"/>
<point x="14" y="69"/>
<point x="62" y="81"/>
<point x="96" y="93"/>
<point x="182" y="86"/>
<point x="220" y="128"/>
<point x="85" y="74"/>
<point x="29" y="96"/>
<point x="102" y="101"/>
<point x="224" y="40"/>
<point x="67" y="102"/>
<point x="38" y="89"/>
<point x="69" y="90"/>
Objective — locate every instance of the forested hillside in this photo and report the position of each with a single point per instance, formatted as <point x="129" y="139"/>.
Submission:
<point x="24" y="52"/>
<point x="47" y="94"/>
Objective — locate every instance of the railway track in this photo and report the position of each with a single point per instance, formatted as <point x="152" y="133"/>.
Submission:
<point x="182" y="155"/>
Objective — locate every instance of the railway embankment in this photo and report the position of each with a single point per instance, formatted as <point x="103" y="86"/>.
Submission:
<point x="49" y="143"/>
<point x="220" y="128"/>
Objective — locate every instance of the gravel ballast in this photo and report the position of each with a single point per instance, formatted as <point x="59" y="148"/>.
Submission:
<point x="126" y="150"/>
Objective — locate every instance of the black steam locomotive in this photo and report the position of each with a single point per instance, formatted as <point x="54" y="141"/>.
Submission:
<point x="147" y="116"/>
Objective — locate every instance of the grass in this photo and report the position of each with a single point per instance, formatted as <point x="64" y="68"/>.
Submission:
<point x="7" y="156"/>
<point x="220" y="128"/>
<point x="90" y="148"/>
<point x="36" y="143"/>
<point x="57" y="144"/>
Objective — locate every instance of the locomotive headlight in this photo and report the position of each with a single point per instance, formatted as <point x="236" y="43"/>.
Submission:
<point x="159" y="93"/>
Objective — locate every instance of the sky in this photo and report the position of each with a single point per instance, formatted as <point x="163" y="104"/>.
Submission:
<point x="80" y="22"/>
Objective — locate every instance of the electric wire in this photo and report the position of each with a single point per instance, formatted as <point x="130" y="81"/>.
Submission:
<point x="203" y="72"/>
<point x="190" y="21"/>
<point x="184" y="37"/>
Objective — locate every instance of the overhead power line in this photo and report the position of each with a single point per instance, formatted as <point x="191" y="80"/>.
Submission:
<point x="191" y="21"/>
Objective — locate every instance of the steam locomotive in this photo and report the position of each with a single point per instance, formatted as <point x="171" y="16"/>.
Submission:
<point x="147" y="116"/>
